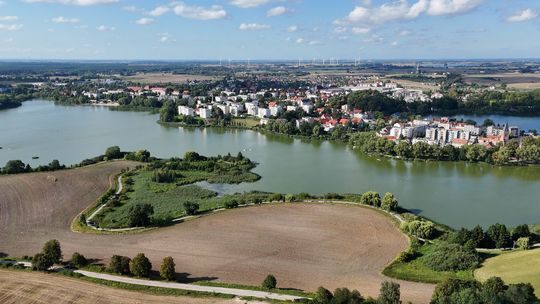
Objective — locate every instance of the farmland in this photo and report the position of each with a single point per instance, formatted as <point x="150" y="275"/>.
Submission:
<point x="303" y="245"/>
<point x="152" y="78"/>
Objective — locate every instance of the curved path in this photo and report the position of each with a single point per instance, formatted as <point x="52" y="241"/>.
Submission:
<point x="303" y="245"/>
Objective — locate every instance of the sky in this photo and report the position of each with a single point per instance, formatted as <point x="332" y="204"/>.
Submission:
<point x="269" y="29"/>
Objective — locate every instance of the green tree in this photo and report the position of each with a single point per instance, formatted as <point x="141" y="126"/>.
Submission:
<point x="140" y="215"/>
<point x="191" y="208"/>
<point x="345" y="296"/>
<point x="389" y="293"/>
<point x="389" y="202"/>
<point x="14" y="166"/>
<point x="521" y="294"/>
<point x="78" y="260"/>
<point x="269" y="282"/>
<point x="167" y="270"/>
<point x="167" y="112"/>
<point x="53" y="251"/>
<point x="120" y="264"/>
<point x="523" y="243"/>
<point x="113" y="152"/>
<point x="41" y="262"/>
<point x="520" y="231"/>
<point x="499" y="235"/>
<point x="140" y="266"/>
<point x="371" y="198"/>
<point x="323" y="296"/>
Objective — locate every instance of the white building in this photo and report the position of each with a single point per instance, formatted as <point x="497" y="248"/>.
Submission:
<point x="251" y="109"/>
<point x="263" y="113"/>
<point x="275" y="110"/>
<point x="186" y="111"/>
<point x="205" y="113"/>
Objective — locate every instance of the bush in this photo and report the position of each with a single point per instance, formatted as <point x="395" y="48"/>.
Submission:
<point x="113" y="152"/>
<point x="78" y="260"/>
<point x="41" y="262"/>
<point x="345" y="296"/>
<point x="120" y="264"/>
<point x="231" y="204"/>
<point x="52" y="251"/>
<point x="371" y="198"/>
<point x="451" y="257"/>
<point x="140" y="266"/>
<point x="323" y="296"/>
<point x="422" y="229"/>
<point x="167" y="270"/>
<point x="269" y="282"/>
<point x="523" y="243"/>
<point x="389" y="202"/>
<point x="389" y="293"/>
<point x="191" y="208"/>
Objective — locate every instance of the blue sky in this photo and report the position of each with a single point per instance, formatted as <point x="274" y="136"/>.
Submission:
<point x="269" y="29"/>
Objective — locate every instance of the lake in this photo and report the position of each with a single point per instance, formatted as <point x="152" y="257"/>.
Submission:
<point x="456" y="194"/>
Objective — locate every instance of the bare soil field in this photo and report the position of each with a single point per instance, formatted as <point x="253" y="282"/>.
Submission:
<point x="513" y="80"/>
<point x="303" y="245"/>
<point x="167" y="78"/>
<point x="17" y="287"/>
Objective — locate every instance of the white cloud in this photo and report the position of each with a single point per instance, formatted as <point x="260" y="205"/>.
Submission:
<point x="131" y="8"/>
<point x="524" y="15"/>
<point x="314" y="42"/>
<point x="10" y="27"/>
<point x="404" y="33"/>
<point x="394" y="43"/>
<point x="62" y="19"/>
<point x="9" y="18"/>
<point x="103" y="28"/>
<point x="158" y="11"/>
<point x="360" y="30"/>
<point x="199" y="12"/>
<point x="144" y="21"/>
<point x="166" y="38"/>
<point x="74" y="2"/>
<point x="8" y="40"/>
<point x="450" y="7"/>
<point x="292" y="28"/>
<point x="277" y="11"/>
<point x="248" y="3"/>
<point x="300" y="40"/>
<point x="253" y="26"/>
<point x="340" y="29"/>
<point x="400" y="10"/>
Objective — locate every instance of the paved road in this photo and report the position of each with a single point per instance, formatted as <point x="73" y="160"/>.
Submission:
<point x="221" y="290"/>
<point x="118" y="191"/>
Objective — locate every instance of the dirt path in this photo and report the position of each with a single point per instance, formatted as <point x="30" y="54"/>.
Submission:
<point x="17" y="287"/>
<point x="303" y="245"/>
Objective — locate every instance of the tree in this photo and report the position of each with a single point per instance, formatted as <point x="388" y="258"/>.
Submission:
<point x="389" y="202"/>
<point x="345" y="296"/>
<point x="41" y="262"/>
<point x="269" y="282"/>
<point x="389" y="293"/>
<point x="452" y="257"/>
<point x="191" y="208"/>
<point x="140" y="266"/>
<point x="52" y="251"/>
<point x="167" y="270"/>
<point x="488" y="122"/>
<point x="167" y="112"/>
<point x="499" y="235"/>
<point x="139" y="215"/>
<point x="113" y="152"/>
<point x="520" y="294"/>
<point x="120" y="264"/>
<point x="14" y="166"/>
<point x="323" y="296"/>
<point x="523" y="243"/>
<point x="78" y="260"/>
<point x="520" y="232"/>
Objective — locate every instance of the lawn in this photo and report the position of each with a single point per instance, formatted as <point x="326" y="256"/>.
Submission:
<point x="417" y="271"/>
<point x="167" y="198"/>
<point x="246" y="122"/>
<point x="513" y="267"/>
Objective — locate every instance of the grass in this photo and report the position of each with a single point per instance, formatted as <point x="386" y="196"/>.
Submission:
<point x="249" y="122"/>
<point x="513" y="267"/>
<point x="417" y="271"/>
<point x="286" y="291"/>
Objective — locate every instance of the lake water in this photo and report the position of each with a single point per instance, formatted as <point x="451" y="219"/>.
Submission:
<point x="456" y="194"/>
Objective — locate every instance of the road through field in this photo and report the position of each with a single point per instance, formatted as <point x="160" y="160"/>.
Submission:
<point x="303" y="245"/>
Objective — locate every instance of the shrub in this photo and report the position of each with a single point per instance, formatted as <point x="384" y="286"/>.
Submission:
<point x="167" y="270"/>
<point x="78" y="260"/>
<point x="422" y="229"/>
<point x="389" y="202"/>
<point x="140" y="266"/>
<point x="191" y="208"/>
<point x="41" y="262"/>
<point x="345" y="296"/>
<point x="277" y="197"/>
<point x="231" y="204"/>
<point x="451" y="257"/>
<point x="119" y="264"/>
<point x="52" y="251"/>
<point x="371" y="198"/>
<point x="323" y="296"/>
<point x="269" y="282"/>
<point x="389" y="293"/>
<point x="523" y="243"/>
